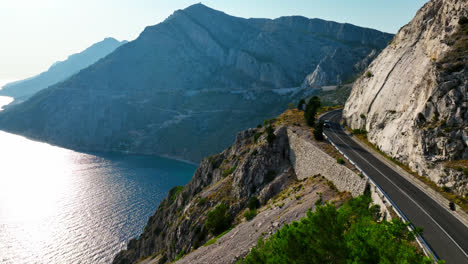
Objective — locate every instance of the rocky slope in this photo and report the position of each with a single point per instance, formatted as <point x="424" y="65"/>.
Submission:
<point x="22" y="90"/>
<point x="413" y="99"/>
<point x="184" y="86"/>
<point x="286" y="177"/>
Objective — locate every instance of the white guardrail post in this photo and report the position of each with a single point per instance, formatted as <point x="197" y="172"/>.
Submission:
<point x="421" y="242"/>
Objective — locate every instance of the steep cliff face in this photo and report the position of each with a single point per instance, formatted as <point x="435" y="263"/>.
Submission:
<point x="412" y="99"/>
<point x="184" y="86"/>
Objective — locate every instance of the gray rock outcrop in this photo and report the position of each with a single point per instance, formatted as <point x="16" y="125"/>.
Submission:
<point x="413" y="98"/>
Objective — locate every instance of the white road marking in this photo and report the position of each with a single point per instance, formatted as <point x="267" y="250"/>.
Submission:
<point x="422" y="209"/>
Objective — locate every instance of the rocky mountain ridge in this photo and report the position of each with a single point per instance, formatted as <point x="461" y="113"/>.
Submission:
<point x="413" y="98"/>
<point x="61" y="70"/>
<point x="184" y="86"/>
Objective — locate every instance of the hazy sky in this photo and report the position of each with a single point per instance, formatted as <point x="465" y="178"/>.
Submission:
<point x="36" y="33"/>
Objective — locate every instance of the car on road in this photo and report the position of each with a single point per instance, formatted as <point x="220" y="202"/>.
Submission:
<point x="326" y="123"/>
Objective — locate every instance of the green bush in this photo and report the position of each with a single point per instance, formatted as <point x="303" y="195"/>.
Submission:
<point x="363" y="116"/>
<point x="253" y="203"/>
<point x="257" y="136"/>
<point x="218" y="220"/>
<point x="174" y="192"/>
<point x="340" y="161"/>
<point x="318" y="131"/>
<point x="250" y="214"/>
<point x="350" y="234"/>
<point x="463" y="20"/>
<point x="311" y="110"/>
<point x="202" y="202"/>
<point x="229" y="171"/>
<point x="359" y="131"/>
<point x="269" y="176"/>
<point x="301" y="104"/>
<point x="270" y="134"/>
<point x="369" y="74"/>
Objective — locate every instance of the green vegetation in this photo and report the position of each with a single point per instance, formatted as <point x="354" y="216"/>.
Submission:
<point x="257" y="136"/>
<point x="228" y="172"/>
<point x="202" y="202"/>
<point x="340" y="161"/>
<point x="350" y="234"/>
<point x="270" y="134"/>
<point x="463" y="20"/>
<point x="301" y="103"/>
<point x="269" y="176"/>
<point x="291" y="106"/>
<point x="180" y="255"/>
<point x="362" y="116"/>
<point x="250" y="214"/>
<point x="369" y="74"/>
<point x="362" y="132"/>
<point x="318" y="130"/>
<point x="214" y="239"/>
<point x="174" y="192"/>
<point x="311" y="110"/>
<point x="218" y="220"/>
<point x="253" y="203"/>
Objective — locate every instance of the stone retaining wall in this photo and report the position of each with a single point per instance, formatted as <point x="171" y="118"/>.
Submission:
<point x="309" y="160"/>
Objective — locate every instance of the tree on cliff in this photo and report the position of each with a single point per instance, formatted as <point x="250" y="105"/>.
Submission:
<point x="311" y="110"/>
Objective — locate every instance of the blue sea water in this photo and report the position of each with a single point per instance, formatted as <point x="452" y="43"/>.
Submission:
<point x="62" y="206"/>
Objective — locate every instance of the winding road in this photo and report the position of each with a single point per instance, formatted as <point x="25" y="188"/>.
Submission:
<point x="445" y="234"/>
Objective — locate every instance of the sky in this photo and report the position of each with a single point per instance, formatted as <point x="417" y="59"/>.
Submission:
<point x="36" y="33"/>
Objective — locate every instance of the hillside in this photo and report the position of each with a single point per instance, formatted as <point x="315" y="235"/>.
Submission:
<point x="257" y="186"/>
<point x="61" y="70"/>
<point x="413" y="98"/>
<point x="184" y="86"/>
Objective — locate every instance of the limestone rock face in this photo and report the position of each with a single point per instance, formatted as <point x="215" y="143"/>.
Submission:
<point x="412" y="99"/>
<point x="185" y="86"/>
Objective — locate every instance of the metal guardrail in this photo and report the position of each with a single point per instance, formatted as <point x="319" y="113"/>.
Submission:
<point x="421" y="242"/>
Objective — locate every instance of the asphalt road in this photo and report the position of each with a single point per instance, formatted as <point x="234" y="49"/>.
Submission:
<point x="445" y="234"/>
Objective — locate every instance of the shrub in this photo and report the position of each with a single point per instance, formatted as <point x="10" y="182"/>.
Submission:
<point x="311" y="110"/>
<point x="350" y="234"/>
<point x="300" y="105"/>
<point x="253" y="203"/>
<point x="202" y="201"/>
<point x="369" y="74"/>
<point x="446" y="189"/>
<point x="250" y="214"/>
<point x="459" y="168"/>
<point x="229" y="171"/>
<point x="318" y="131"/>
<point x="363" y="116"/>
<point x="340" y="161"/>
<point x="174" y="192"/>
<point x="270" y="134"/>
<point x="463" y="20"/>
<point x="267" y="122"/>
<point x="218" y="220"/>
<point x="269" y="176"/>
<point x="359" y="131"/>
<point x="257" y="136"/>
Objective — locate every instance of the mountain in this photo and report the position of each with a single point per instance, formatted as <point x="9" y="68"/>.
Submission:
<point x="59" y="71"/>
<point x="274" y="171"/>
<point x="413" y="98"/>
<point x="184" y="86"/>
